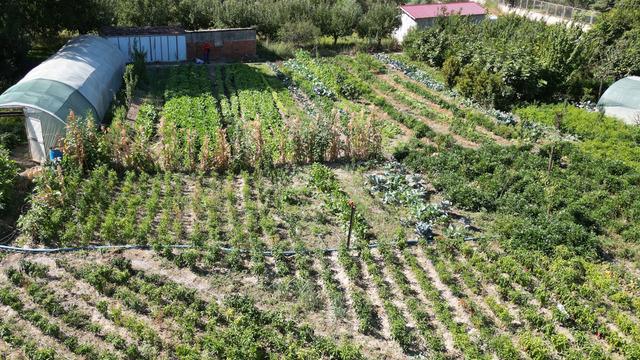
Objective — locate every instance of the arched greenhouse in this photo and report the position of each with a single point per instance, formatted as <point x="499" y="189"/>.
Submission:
<point x="622" y="100"/>
<point x="83" y="77"/>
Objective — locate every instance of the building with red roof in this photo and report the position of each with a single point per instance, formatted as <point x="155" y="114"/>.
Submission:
<point x="423" y="15"/>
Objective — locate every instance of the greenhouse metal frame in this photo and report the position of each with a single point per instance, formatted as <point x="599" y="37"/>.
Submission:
<point x="83" y="77"/>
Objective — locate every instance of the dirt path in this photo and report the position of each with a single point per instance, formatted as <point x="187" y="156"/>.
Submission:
<point x="501" y="327"/>
<point x="383" y="225"/>
<point x="398" y="300"/>
<point x="188" y="212"/>
<point x="376" y="300"/>
<point x="345" y="284"/>
<point x="326" y="325"/>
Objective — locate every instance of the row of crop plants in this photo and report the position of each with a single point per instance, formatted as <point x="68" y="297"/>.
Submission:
<point x="235" y="328"/>
<point x="571" y="288"/>
<point x="490" y="118"/>
<point x="398" y="188"/>
<point x="479" y="273"/>
<point x="601" y="136"/>
<point x="259" y="135"/>
<point x="494" y="334"/>
<point x="337" y="201"/>
<point x="326" y="80"/>
<point x="158" y="210"/>
<point x="191" y="136"/>
<point x="368" y="68"/>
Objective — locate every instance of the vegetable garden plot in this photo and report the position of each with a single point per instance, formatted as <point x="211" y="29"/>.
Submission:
<point x="254" y="167"/>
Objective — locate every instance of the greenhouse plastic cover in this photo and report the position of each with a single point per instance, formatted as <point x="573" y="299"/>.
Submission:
<point x="622" y="99"/>
<point x="83" y="76"/>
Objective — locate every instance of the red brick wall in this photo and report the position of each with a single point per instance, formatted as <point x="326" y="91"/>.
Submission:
<point x="234" y="50"/>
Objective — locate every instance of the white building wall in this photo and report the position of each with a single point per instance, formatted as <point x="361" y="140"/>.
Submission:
<point x="407" y="24"/>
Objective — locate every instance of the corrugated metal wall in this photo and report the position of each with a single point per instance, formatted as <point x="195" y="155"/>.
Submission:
<point x="226" y="44"/>
<point x="159" y="48"/>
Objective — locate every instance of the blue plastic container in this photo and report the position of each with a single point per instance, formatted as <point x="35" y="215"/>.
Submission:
<point x="55" y="154"/>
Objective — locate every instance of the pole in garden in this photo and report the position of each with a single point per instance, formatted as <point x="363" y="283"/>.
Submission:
<point x="352" y="205"/>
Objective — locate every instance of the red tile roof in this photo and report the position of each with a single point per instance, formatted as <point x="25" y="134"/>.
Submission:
<point x="425" y="11"/>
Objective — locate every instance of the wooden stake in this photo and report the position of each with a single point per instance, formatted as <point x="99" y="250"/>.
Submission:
<point x="353" y="210"/>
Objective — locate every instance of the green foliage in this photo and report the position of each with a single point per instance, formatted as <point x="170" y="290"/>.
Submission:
<point x="300" y="33"/>
<point x="616" y="40"/>
<point x="339" y="202"/>
<point x="190" y="132"/>
<point x="130" y="82"/>
<point x="537" y="209"/>
<point x="485" y="88"/>
<point x="81" y="145"/>
<point x="25" y="23"/>
<point x="340" y="18"/>
<point x="12" y="132"/>
<point x="8" y="176"/>
<point x="512" y="59"/>
<point x="602" y="136"/>
<point x="379" y="21"/>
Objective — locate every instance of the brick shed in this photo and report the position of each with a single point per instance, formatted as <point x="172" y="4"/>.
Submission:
<point x="233" y="44"/>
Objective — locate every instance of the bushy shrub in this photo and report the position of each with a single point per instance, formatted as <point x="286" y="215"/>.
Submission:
<point x="130" y="83"/>
<point x="510" y="59"/>
<point x="8" y="176"/>
<point x="12" y="132"/>
<point x="537" y="209"/>
<point x="301" y="32"/>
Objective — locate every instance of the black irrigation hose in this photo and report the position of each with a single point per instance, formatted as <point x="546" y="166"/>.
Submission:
<point x="149" y="247"/>
<point x="8" y="237"/>
<point x="269" y="253"/>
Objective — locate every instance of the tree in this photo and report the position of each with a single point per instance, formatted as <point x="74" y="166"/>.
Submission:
<point x="238" y="13"/>
<point x="14" y="41"/>
<point x="146" y="12"/>
<point x="379" y="21"/>
<point x="199" y="14"/>
<point x="615" y="40"/>
<point x="299" y="32"/>
<point x="24" y="21"/>
<point x="343" y="18"/>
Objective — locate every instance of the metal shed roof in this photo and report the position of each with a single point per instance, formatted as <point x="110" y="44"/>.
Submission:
<point x="426" y="11"/>
<point x="140" y="30"/>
